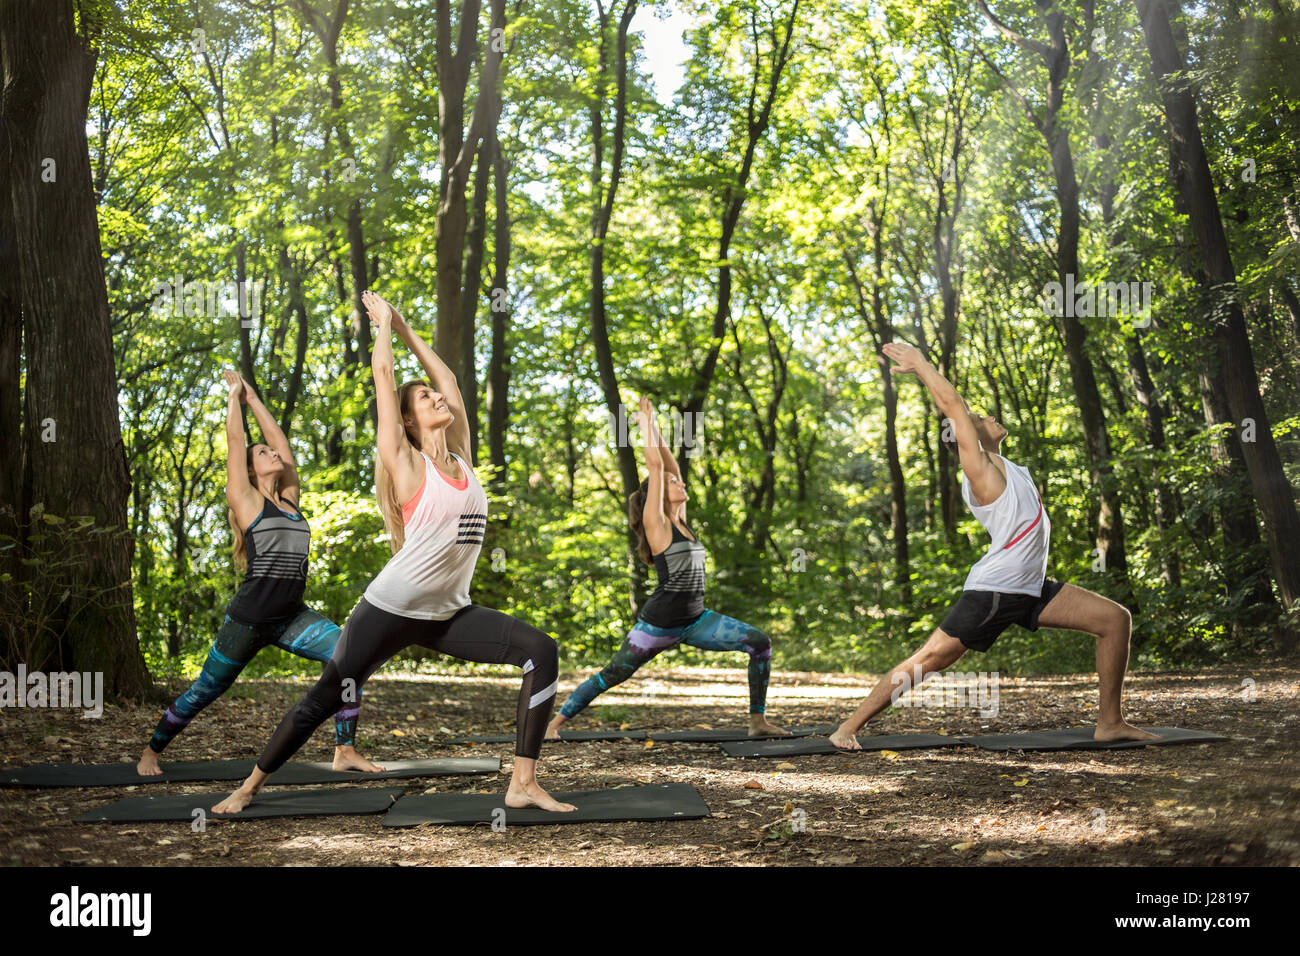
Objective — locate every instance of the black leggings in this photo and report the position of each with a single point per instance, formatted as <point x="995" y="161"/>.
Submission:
<point x="372" y="636"/>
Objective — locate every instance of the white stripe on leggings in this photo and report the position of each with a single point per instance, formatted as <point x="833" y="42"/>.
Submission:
<point x="542" y="696"/>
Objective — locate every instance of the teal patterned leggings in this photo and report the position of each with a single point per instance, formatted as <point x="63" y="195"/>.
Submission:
<point x="710" y="631"/>
<point x="308" y="635"/>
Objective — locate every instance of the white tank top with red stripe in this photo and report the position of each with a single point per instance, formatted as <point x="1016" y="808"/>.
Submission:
<point x="1017" y="559"/>
<point x="429" y="577"/>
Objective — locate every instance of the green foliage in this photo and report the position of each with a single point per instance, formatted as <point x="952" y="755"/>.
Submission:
<point x="203" y="160"/>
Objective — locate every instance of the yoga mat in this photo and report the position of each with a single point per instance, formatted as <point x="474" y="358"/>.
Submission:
<point x="124" y="775"/>
<point x="665" y="801"/>
<point x="805" y="746"/>
<point x="1080" y="738"/>
<point x="567" y="735"/>
<point x="721" y="735"/>
<point x="323" y="802"/>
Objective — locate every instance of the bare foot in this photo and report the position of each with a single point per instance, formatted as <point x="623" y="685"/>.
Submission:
<point x="553" y="728"/>
<point x="844" y="740"/>
<point x="761" y="726"/>
<point x="533" y="795"/>
<point x="346" y="758"/>
<point x="1121" y="731"/>
<point x="148" y="765"/>
<point x="235" y="802"/>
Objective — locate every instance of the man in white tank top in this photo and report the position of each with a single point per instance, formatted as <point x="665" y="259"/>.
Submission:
<point x="1009" y="585"/>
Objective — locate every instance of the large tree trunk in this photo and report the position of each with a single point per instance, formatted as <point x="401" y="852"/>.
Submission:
<point x="12" y="509"/>
<point x="1232" y="344"/>
<point x="72" y="439"/>
<point x="456" y="148"/>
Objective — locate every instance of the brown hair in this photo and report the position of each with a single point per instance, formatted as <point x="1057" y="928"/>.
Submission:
<point x="636" y="519"/>
<point x="241" y="546"/>
<point x="385" y="491"/>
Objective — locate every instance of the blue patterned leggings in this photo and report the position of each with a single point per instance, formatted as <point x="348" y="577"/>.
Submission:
<point x="710" y="631"/>
<point x="308" y="635"/>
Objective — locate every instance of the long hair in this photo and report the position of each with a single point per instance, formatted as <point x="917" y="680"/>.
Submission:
<point x="384" y="488"/>
<point x="636" y="519"/>
<point x="241" y="547"/>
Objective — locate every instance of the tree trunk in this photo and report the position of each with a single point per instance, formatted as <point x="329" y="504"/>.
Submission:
<point x="73" y="443"/>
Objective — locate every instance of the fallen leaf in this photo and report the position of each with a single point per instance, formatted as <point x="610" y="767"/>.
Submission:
<point x="963" y="847"/>
<point x="993" y="856"/>
<point x="753" y="785"/>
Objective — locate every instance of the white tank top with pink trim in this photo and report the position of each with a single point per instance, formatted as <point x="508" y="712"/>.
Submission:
<point x="429" y="577"/>
<point x="1016" y="562"/>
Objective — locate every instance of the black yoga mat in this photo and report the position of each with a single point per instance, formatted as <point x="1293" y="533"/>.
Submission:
<point x="719" y="736"/>
<point x="805" y="746"/>
<point x="124" y="775"/>
<point x="569" y="735"/>
<point x="666" y="801"/>
<point x="277" y="803"/>
<point x="1080" y="738"/>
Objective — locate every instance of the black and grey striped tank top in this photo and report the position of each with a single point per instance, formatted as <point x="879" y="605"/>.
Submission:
<point x="679" y="599"/>
<point x="278" y="543"/>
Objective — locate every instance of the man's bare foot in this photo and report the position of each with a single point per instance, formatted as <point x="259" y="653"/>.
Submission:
<point x="347" y="758"/>
<point x="844" y="740"/>
<point x="761" y="726"/>
<point x="532" y="795"/>
<point x="235" y="802"/>
<point x="553" y="728"/>
<point x="1121" y="731"/>
<point x="148" y="765"/>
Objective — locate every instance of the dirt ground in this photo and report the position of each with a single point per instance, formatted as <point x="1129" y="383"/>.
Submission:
<point x="1228" y="803"/>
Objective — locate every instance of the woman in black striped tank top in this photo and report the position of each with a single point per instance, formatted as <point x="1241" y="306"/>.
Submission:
<point x="262" y="490"/>
<point x="675" y="612"/>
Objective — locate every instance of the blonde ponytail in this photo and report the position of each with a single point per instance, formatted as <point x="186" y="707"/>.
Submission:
<point x="385" y="491"/>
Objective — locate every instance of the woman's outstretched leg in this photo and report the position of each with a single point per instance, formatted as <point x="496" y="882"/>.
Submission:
<point x="236" y="644"/>
<point x="642" y="643"/>
<point x="717" y="632"/>
<point x="314" y="637"/>
<point x="369" y="639"/>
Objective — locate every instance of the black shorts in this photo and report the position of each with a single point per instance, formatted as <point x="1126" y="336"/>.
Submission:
<point x="979" y="617"/>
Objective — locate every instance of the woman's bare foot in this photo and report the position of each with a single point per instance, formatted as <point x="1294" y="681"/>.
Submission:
<point x="759" y="725"/>
<point x="1121" y="731"/>
<point x="553" y="728"/>
<point x="148" y="765"/>
<point x="532" y="795"/>
<point x="235" y="802"/>
<point x="845" y="740"/>
<point x="347" y="758"/>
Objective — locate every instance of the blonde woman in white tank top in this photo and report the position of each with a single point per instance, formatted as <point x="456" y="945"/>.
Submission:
<point x="436" y="513"/>
<point x="1009" y="584"/>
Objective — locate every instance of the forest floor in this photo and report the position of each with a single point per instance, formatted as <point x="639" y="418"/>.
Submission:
<point x="1224" y="803"/>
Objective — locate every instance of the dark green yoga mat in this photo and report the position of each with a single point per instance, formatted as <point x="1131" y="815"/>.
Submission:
<point x="666" y="801"/>
<point x="722" y="735"/>
<point x="124" y="775"/>
<point x="565" y="735"/>
<point x="1080" y="738"/>
<point x="806" y="746"/>
<point x="277" y="803"/>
